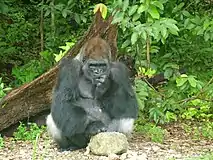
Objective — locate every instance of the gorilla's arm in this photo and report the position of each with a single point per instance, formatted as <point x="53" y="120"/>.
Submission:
<point x="122" y="103"/>
<point x="65" y="94"/>
<point x="67" y="105"/>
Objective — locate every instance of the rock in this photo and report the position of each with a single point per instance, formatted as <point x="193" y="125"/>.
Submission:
<point x="107" y="143"/>
<point x="155" y="148"/>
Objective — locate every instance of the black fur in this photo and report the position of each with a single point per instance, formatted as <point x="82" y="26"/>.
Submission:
<point x="80" y="115"/>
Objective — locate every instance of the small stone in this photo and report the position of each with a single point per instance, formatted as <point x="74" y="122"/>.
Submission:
<point x="113" y="157"/>
<point x="155" y="148"/>
<point x="143" y="156"/>
<point x="124" y="156"/>
<point x="106" y="143"/>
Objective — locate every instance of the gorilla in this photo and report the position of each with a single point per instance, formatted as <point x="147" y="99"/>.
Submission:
<point x="91" y="95"/>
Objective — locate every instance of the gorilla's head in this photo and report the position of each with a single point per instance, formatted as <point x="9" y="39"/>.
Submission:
<point x="95" y="56"/>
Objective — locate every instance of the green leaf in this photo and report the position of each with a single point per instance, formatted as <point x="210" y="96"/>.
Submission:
<point x="158" y="4"/>
<point x="125" y="4"/>
<point x="173" y="29"/>
<point x="181" y="81"/>
<point x="163" y="31"/>
<point x="153" y="12"/>
<point x="206" y="36"/>
<point x="126" y="43"/>
<point x="178" y="7"/>
<point x="168" y="73"/>
<point x="192" y="81"/>
<point x="77" y="18"/>
<point x="47" y="13"/>
<point x="186" y="13"/>
<point x="70" y="2"/>
<point x="136" y="17"/>
<point x="183" y="75"/>
<point x="83" y="18"/>
<point x="132" y="10"/>
<point x="118" y="17"/>
<point x="142" y="8"/>
<point x="206" y="24"/>
<point x="134" y="37"/>
<point x="144" y="35"/>
<point x="64" y="13"/>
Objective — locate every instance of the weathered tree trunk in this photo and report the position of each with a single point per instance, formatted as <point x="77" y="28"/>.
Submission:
<point x="35" y="97"/>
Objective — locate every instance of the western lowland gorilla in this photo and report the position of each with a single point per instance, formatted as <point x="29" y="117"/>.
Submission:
<point x="92" y="95"/>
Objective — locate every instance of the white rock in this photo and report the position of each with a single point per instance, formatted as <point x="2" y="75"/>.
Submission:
<point x="107" y="143"/>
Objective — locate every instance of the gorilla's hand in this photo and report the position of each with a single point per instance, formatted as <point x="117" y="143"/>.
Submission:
<point x="101" y="80"/>
<point x="96" y="127"/>
<point x="102" y="84"/>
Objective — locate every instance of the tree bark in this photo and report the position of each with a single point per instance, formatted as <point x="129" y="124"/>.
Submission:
<point x="35" y="97"/>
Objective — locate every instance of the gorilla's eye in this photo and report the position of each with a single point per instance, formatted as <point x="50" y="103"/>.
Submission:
<point x="97" y="68"/>
<point x="84" y="59"/>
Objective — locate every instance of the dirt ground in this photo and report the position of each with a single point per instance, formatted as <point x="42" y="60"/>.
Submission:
<point x="175" y="146"/>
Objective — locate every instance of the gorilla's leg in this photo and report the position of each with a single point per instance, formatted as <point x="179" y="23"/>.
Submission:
<point x="69" y="143"/>
<point x="124" y="125"/>
<point x="56" y="133"/>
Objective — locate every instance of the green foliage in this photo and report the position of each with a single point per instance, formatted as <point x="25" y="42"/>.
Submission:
<point x="3" y="89"/>
<point x="28" y="133"/>
<point x="151" y="131"/>
<point x="1" y="141"/>
<point x="62" y="53"/>
<point x="207" y="156"/>
<point x="200" y="130"/>
<point x="33" y="68"/>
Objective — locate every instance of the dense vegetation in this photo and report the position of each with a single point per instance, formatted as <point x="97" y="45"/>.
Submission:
<point x="161" y="35"/>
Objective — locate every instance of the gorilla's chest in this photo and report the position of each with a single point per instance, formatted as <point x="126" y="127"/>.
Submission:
<point x="86" y="88"/>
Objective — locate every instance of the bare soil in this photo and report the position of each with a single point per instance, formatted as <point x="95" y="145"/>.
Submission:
<point x="177" y="145"/>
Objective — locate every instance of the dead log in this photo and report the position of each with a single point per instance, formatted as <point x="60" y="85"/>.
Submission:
<point x="35" y="97"/>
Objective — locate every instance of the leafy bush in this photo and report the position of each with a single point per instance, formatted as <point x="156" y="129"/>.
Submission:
<point x="1" y="142"/>
<point x="28" y="133"/>
<point x="3" y="89"/>
<point x="155" y="133"/>
<point x="200" y="130"/>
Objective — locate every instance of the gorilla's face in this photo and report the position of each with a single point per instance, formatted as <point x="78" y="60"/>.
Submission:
<point x="96" y="70"/>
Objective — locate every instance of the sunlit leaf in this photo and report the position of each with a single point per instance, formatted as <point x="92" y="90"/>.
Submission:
<point x="134" y="37"/>
<point x="47" y="13"/>
<point x="125" y="4"/>
<point x="181" y="81"/>
<point x="126" y="43"/>
<point x="118" y="17"/>
<point x="183" y="75"/>
<point x="158" y="4"/>
<point x="136" y="17"/>
<point x="172" y="28"/>
<point x="142" y="8"/>
<point x="192" y="81"/>
<point x="153" y="12"/>
<point x="163" y="31"/>
<point x="102" y="8"/>
<point x="132" y="10"/>
<point x="64" y="13"/>
<point x="77" y="18"/>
